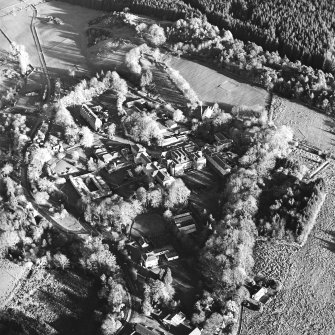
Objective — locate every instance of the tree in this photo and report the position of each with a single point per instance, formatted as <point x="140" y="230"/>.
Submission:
<point x="23" y="58"/>
<point x="212" y="324"/>
<point x="111" y="131"/>
<point x="63" y="116"/>
<point x="61" y="261"/>
<point x="7" y="169"/>
<point x="177" y="194"/>
<point x="146" y="78"/>
<point x="110" y="325"/>
<point x="156" y="35"/>
<point x="155" y="198"/>
<point x="87" y="138"/>
<point x="41" y="198"/>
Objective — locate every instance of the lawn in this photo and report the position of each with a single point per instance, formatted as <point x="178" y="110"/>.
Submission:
<point x="212" y="86"/>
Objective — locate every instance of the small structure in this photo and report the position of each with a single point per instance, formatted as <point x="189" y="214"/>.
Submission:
<point x="185" y="223"/>
<point x="131" y="103"/>
<point x="143" y="242"/>
<point x="171" y="255"/>
<point x="174" y="319"/>
<point x="88" y="115"/>
<point x="260" y="293"/>
<point x="90" y="184"/>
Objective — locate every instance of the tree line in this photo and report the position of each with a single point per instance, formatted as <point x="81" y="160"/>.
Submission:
<point x="301" y="31"/>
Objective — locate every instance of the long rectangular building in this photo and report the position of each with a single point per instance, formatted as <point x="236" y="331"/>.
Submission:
<point x="88" y="115"/>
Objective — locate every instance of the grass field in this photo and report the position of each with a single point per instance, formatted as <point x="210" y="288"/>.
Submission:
<point x="212" y="86"/>
<point x="306" y="304"/>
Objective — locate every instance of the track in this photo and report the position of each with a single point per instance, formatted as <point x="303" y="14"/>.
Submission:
<point x="40" y="51"/>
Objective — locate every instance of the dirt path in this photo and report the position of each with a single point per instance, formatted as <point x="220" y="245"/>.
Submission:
<point x="306" y="305"/>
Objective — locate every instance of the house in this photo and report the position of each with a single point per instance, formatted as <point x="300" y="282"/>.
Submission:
<point x="150" y="260"/>
<point x="218" y="163"/>
<point x="90" y="184"/>
<point x="162" y="177"/>
<point x="185" y="223"/>
<point x="88" y="115"/>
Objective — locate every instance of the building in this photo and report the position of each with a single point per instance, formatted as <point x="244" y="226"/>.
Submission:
<point x="88" y="115"/>
<point x="171" y="255"/>
<point x="162" y="177"/>
<point x="218" y="163"/>
<point x="131" y="103"/>
<point x="222" y="142"/>
<point x="142" y="330"/>
<point x="174" y="140"/>
<point x="171" y="125"/>
<point x="195" y="331"/>
<point x="198" y="160"/>
<point x="185" y="223"/>
<point x="91" y="185"/>
<point x="260" y="293"/>
<point x="150" y="260"/>
<point x="179" y="162"/>
<point x="174" y="319"/>
<point x="186" y="157"/>
<point x="105" y="156"/>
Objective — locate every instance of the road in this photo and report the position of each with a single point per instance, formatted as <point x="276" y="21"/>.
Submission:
<point x="40" y="52"/>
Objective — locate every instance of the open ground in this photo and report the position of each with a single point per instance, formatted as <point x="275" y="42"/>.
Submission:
<point x="212" y="86"/>
<point x="306" y="303"/>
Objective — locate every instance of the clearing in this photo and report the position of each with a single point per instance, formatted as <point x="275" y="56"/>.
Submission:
<point x="212" y="86"/>
<point x="306" y="303"/>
